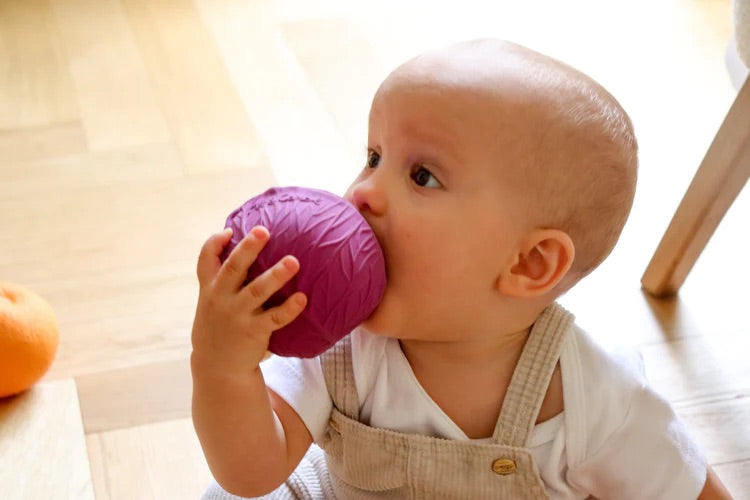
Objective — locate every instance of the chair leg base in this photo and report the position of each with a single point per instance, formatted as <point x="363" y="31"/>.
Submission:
<point x="719" y="179"/>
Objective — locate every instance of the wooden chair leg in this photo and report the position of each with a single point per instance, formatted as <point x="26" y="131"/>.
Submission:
<point x="718" y="181"/>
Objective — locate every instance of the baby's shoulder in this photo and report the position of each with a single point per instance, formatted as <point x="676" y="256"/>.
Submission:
<point x="599" y="386"/>
<point x="618" y="429"/>
<point x="600" y="369"/>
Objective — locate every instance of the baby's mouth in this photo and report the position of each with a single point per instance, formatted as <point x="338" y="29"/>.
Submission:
<point x="380" y="242"/>
<point x="380" y="239"/>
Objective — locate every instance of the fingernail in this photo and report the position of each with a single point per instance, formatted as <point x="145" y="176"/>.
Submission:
<point x="258" y="232"/>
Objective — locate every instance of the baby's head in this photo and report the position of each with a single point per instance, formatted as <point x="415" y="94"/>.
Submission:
<point x="495" y="175"/>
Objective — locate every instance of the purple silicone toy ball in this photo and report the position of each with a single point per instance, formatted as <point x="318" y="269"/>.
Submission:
<point x="342" y="270"/>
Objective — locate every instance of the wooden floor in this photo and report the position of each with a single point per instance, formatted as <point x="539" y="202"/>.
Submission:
<point x="130" y="128"/>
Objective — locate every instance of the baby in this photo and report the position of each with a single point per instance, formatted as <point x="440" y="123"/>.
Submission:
<point x="496" y="178"/>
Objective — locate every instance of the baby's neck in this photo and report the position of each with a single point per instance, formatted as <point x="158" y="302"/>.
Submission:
<point x="500" y="350"/>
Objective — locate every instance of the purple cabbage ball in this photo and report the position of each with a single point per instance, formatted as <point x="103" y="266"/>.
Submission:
<point x="342" y="270"/>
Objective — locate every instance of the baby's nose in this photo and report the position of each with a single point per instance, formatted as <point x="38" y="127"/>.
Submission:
<point x="368" y="196"/>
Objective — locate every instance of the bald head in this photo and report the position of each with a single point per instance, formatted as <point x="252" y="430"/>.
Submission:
<point x="568" y="148"/>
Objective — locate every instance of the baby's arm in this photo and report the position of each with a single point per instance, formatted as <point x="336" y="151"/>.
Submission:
<point x="251" y="438"/>
<point x="714" y="489"/>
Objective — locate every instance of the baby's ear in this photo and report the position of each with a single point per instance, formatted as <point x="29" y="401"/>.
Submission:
<point x="542" y="262"/>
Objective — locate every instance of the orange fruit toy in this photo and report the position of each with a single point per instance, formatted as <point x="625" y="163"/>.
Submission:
<point x="28" y="338"/>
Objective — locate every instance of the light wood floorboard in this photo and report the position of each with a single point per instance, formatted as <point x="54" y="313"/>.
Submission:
<point x="43" y="445"/>
<point x="201" y="105"/>
<point x="149" y="462"/>
<point x="299" y="134"/>
<point x="35" y="84"/>
<point x="47" y="141"/>
<point x="128" y="397"/>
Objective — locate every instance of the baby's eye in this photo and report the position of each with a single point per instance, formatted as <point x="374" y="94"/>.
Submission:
<point x="423" y="177"/>
<point x="373" y="159"/>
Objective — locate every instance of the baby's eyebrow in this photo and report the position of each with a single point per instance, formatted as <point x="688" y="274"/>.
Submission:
<point x="442" y="157"/>
<point x="442" y="141"/>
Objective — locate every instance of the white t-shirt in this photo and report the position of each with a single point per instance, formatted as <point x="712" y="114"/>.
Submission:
<point x="616" y="439"/>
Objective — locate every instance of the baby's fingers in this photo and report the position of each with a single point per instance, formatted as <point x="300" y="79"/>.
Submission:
<point x="272" y="280"/>
<point x="209" y="261"/>
<point x="280" y="316"/>
<point x="234" y="271"/>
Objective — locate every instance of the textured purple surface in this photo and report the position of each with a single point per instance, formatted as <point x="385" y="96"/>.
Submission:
<point x="342" y="270"/>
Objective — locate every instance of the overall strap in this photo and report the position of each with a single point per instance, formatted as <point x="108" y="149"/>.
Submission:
<point x="339" y="377"/>
<point x="532" y="375"/>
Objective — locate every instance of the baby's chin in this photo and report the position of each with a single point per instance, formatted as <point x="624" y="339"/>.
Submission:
<point x="377" y="323"/>
<point x="372" y="325"/>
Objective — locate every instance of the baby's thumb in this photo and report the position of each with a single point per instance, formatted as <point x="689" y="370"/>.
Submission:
<point x="209" y="260"/>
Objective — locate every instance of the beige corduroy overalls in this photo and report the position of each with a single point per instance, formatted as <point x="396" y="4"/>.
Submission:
<point x="363" y="462"/>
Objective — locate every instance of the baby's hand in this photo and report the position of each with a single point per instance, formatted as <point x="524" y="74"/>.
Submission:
<point x="231" y="329"/>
